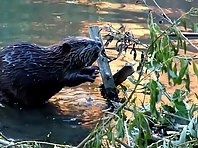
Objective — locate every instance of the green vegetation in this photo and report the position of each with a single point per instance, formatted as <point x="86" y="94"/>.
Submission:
<point x="159" y="123"/>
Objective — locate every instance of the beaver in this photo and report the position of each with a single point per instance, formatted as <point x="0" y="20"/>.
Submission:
<point x="31" y="74"/>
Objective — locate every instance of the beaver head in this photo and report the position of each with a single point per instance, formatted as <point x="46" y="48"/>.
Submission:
<point x="79" y="52"/>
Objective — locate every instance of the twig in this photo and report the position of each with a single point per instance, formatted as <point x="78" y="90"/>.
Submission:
<point x="4" y="137"/>
<point x="171" y="22"/>
<point x="163" y="139"/>
<point x="127" y="134"/>
<point x="188" y="142"/>
<point x="174" y="115"/>
<point x="4" y="142"/>
<point x="36" y="142"/>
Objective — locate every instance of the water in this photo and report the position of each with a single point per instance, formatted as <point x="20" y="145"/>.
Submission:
<point x="70" y="115"/>
<point x="44" y="124"/>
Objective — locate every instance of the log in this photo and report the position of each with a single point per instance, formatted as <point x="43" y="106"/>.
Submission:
<point x="111" y="92"/>
<point x="121" y="75"/>
<point x="108" y="88"/>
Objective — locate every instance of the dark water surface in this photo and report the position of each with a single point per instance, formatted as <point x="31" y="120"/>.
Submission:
<point x="46" y="22"/>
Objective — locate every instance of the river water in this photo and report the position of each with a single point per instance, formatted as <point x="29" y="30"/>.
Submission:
<point x="70" y="115"/>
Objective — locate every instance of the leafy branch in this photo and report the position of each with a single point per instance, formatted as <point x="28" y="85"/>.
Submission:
<point x="151" y="125"/>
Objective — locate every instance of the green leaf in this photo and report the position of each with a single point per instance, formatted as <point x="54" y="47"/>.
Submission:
<point x="98" y="141"/>
<point x="119" y="129"/>
<point x="113" y="139"/>
<point x="182" y="138"/>
<point x="154" y="145"/>
<point x="168" y="108"/>
<point x="195" y="69"/>
<point x="195" y="27"/>
<point x="177" y="81"/>
<point x="155" y="96"/>
<point x="184" y="67"/>
<point x="183" y="23"/>
<point x="191" y="129"/>
<point x="178" y="95"/>
<point x="180" y="106"/>
<point x="192" y="110"/>
<point x="151" y="28"/>
<point x="175" y="49"/>
<point x="187" y="82"/>
<point x="185" y="47"/>
<point x="152" y="59"/>
<point x="143" y="133"/>
<point x="175" y="68"/>
<point x="109" y="134"/>
<point x="182" y="110"/>
<point x="145" y="124"/>
<point x="124" y="88"/>
<point x="157" y="28"/>
<point x="196" y="96"/>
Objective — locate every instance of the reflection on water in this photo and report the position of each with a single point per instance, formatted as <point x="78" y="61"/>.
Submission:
<point x="44" y="124"/>
<point x="83" y="102"/>
<point x="48" y="21"/>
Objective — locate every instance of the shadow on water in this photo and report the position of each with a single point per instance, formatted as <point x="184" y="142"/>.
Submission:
<point x="45" y="124"/>
<point x="48" y="21"/>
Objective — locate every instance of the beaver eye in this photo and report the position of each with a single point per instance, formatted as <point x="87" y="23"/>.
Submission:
<point x="66" y="47"/>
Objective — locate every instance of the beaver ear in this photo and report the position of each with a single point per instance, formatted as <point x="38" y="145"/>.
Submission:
<point x="66" y="47"/>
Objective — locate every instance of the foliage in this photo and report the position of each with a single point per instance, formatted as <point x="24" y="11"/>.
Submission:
<point x="173" y="123"/>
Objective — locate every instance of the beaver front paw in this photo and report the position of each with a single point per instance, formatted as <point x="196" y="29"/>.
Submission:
<point x="90" y="70"/>
<point x="87" y="74"/>
<point x="90" y="73"/>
